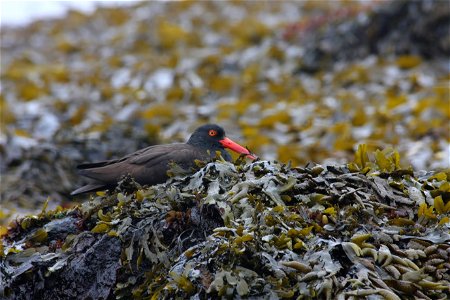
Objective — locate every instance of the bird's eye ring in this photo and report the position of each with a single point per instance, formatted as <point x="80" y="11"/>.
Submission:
<point x="212" y="132"/>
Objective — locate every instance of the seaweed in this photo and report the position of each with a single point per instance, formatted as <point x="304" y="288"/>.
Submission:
<point x="244" y="230"/>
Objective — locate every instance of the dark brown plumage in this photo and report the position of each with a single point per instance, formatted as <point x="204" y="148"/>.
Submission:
<point x="149" y="166"/>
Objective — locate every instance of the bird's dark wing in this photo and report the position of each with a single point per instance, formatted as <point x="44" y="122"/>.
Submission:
<point x="114" y="161"/>
<point x="155" y="153"/>
<point x="146" y="166"/>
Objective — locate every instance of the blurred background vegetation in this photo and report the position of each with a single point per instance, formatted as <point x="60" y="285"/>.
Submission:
<point x="294" y="81"/>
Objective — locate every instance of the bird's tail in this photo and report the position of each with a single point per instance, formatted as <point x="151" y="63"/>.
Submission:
<point x="89" y="188"/>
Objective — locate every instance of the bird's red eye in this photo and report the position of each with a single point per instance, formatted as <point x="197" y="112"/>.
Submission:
<point x="212" y="132"/>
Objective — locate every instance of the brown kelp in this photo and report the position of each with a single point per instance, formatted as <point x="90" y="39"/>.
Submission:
<point x="244" y="230"/>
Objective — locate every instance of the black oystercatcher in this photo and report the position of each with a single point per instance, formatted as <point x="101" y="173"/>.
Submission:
<point x="149" y="166"/>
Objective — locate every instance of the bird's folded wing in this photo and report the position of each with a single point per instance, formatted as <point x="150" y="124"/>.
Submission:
<point x="114" y="161"/>
<point x="178" y="153"/>
<point x="148" y="165"/>
<point x="151" y="154"/>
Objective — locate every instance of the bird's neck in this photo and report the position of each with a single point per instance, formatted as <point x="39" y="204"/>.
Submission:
<point x="206" y="146"/>
<point x="211" y="148"/>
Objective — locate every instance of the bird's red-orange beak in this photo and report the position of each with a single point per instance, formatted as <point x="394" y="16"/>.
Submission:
<point x="227" y="143"/>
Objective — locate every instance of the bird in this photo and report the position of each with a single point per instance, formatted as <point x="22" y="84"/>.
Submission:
<point x="149" y="166"/>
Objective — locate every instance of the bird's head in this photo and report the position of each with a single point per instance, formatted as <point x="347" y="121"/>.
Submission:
<point x="212" y="137"/>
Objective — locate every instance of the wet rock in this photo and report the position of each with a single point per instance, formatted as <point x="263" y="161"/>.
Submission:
<point x="87" y="271"/>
